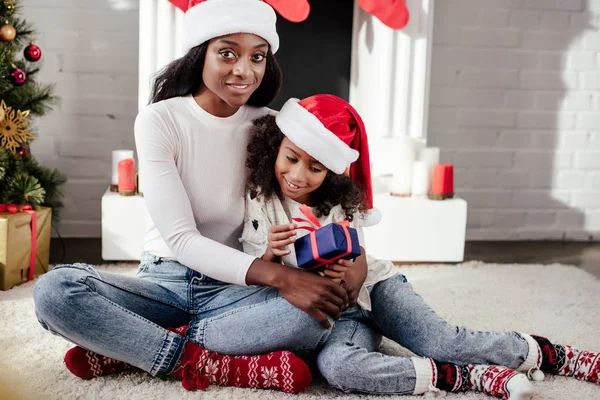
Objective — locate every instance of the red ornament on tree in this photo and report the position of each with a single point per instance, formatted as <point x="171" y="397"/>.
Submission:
<point x="24" y="151"/>
<point x="32" y="53"/>
<point x="18" y="76"/>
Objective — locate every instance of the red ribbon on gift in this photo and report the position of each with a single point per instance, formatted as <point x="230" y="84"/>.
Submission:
<point x="311" y="219"/>
<point x="15" y="208"/>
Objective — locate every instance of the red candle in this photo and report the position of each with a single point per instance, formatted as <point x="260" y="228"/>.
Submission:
<point x="443" y="182"/>
<point x="126" y="177"/>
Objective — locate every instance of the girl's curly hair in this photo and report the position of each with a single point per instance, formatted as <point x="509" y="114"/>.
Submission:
<point x="263" y="148"/>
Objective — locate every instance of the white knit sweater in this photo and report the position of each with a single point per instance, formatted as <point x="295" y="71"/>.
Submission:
<point x="193" y="167"/>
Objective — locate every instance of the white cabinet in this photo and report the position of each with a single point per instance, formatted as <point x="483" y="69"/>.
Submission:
<point x="124" y="221"/>
<point x="418" y="230"/>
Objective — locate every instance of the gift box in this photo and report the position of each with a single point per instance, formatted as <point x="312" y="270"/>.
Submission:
<point x="16" y="246"/>
<point x="326" y="245"/>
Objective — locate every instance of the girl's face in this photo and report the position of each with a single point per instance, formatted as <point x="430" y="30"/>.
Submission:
<point x="297" y="173"/>
<point x="233" y="70"/>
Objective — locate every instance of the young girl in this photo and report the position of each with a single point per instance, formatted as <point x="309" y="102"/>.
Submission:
<point x="301" y="156"/>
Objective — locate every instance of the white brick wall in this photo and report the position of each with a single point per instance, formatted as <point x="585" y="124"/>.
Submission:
<point x="514" y="87"/>
<point x="90" y="50"/>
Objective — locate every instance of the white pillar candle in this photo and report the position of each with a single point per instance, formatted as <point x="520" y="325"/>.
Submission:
<point x="383" y="163"/>
<point x="117" y="156"/>
<point x="431" y="157"/>
<point x="420" y="179"/>
<point x="404" y="153"/>
<point x="140" y="183"/>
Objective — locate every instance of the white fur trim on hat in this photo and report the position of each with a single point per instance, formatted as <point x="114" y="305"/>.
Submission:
<point x="372" y="217"/>
<point x="306" y="131"/>
<point x="214" y="18"/>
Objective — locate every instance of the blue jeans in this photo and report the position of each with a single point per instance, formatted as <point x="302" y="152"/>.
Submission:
<point x="350" y="360"/>
<point x="125" y="317"/>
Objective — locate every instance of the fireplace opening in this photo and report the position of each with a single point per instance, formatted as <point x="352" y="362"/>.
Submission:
<point x="315" y="55"/>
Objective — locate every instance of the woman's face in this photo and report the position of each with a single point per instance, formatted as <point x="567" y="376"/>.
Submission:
<point x="297" y="173"/>
<point x="233" y="70"/>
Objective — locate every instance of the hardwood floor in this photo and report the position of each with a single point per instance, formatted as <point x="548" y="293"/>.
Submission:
<point x="581" y="254"/>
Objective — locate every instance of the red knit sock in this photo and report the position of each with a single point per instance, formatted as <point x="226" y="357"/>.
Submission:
<point x="280" y="370"/>
<point x="86" y="364"/>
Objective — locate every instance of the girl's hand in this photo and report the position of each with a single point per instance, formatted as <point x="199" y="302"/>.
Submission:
<point x="355" y="278"/>
<point x="279" y="237"/>
<point x="337" y="271"/>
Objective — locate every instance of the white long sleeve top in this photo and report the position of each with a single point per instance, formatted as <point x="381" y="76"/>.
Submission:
<point x="193" y="165"/>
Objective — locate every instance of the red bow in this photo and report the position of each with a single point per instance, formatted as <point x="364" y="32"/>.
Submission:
<point x="392" y="13"/>
<point x="15" y="208"/>
<point x="311" y="219"/>
<point x="292" y="10"/>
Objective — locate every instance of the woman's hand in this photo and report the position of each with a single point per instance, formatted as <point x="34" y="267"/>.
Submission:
<point x="316" y="295"/>
<point x="337" y="272"/>
<point x="355" y="278"/>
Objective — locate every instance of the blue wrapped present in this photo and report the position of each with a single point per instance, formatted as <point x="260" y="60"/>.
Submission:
<point x="326" y="245"/>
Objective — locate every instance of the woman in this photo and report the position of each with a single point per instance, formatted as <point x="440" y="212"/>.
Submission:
<point x="191" y="143"/>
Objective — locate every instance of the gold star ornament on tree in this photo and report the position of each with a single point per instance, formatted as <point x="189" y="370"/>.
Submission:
<point x="14" y="128"/>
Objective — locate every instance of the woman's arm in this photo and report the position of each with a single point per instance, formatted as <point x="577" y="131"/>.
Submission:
<point x="314" y="294"/>
<point x="169" y="206"/>
<point x="308" y="291"/>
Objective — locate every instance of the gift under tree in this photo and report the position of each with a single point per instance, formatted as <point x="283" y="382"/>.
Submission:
<point x="29" y="193"/>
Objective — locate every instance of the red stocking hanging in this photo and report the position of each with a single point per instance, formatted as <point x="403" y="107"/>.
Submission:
<point x="392" y="13"/>
<point x="183" y="5"/>
<point x="292" y="10"/>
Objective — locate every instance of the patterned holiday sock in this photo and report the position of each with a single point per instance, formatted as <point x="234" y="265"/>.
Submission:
<point x="533" y="359"/>
<point x="87" y="364"/>
<point x="565" y="360"/>
<point x="501" y="382"/>
<point x="281" y="370"/>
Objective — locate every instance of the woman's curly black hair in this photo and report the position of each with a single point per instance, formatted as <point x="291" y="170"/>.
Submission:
<point x="263" y="148"/>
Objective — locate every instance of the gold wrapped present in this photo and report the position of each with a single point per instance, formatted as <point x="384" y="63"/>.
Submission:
<point x="15" y="246"/>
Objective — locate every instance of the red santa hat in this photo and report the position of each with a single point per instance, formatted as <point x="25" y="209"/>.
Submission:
<point x="208" y="19"/>
<point x="331" y="131"/>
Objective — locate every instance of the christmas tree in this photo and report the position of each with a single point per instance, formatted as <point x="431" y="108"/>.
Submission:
<point x="22" y="179"/>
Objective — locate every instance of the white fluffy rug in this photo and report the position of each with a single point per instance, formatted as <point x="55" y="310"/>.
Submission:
<point x="561" y="302"/>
